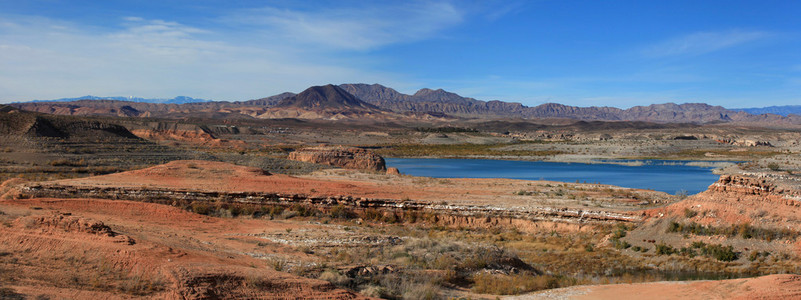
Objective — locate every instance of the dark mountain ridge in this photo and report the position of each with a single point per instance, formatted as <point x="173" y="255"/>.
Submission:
<point x="325" y="97"/>
<point x="440" y="101"/>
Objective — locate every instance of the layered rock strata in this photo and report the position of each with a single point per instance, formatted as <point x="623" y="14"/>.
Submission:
<point x="349" y="158"/>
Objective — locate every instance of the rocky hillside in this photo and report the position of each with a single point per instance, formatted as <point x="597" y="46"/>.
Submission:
<point x="432" y="101"/>
<point x="269" y="101"/>
<point x="17" y="123"/>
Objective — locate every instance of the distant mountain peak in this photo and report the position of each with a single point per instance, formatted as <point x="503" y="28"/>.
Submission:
<point x="325" y="97"/>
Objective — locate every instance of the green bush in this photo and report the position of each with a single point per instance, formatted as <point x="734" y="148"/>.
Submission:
<point x="743" y="230"/>
<point x="774" y="166"/>
<point x="662" y="249"/>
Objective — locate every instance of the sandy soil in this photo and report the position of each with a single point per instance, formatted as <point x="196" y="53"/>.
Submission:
<point x="88" y="248"/>
<point x="765" y="287"/>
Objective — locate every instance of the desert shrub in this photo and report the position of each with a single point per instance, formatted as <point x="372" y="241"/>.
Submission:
<point x="687" y="251"/>
<point x="499" y="284"/>
<point x="523" y="193"/>
<point x="425" y="291"/>
<point x="409" y="284"/>
<point x="274" y="210"/>
<point x="235" y="210"/>
<point x="754" y="255"/>
<point x="67" y="163"/>
<point x="617" y="234"/>
<point x="743" y="230"/>
<point x="620" y="244"/>
<point x="248" y="210"/>
<point x="620" y="231"/>
<point x="663" y="249"/>
<point x="374" y="291"/>
<point x="334" y="277"/>
<point x="304" y="210"/>
<point x="201" y="208"/>
<point x="720" y="252"/>
<point x="689" y="213"/>
<point x="774" y="166"/>
<point x="372" y="214"/>
<point x="277" y="264"/>
<point x="411" y="216"/>
<point x="341" y="212"/>
<point x="716" y="251"/>
<point x="137" y="285"/>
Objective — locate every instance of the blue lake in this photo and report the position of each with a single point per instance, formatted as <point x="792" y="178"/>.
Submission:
<point x="665" y="176"/>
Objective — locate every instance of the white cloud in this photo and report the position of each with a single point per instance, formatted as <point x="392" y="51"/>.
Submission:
<point x="236" y="55"/>
<point x="703" y="42"/>
<point x="356" y="28"/>
<point x="506" y="8"/>
<point x="133" y="19"/>
<point x="44" y="58"/>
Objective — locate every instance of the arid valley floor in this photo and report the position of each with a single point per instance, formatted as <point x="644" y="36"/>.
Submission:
<point x="116" y="200"/>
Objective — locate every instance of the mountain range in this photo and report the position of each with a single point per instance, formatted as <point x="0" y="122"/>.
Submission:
<point x="176" y="100"/>
<point x="375" y="100"/>
<point x="784" y="110"/>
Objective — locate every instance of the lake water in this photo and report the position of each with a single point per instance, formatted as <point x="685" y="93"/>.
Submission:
<point x="665" y="176"/>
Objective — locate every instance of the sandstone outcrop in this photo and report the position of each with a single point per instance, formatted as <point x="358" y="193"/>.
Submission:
<point x="769" y="200"/>
<point x="349" y="158"/>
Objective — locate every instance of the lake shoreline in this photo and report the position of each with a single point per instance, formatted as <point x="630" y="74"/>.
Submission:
<point x="583" y="159"/>
<point x="670" y="176"/>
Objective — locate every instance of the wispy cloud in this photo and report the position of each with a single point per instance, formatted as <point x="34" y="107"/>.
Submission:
<point x="703" y="42"/>
<point x="44" y="58"/>
<point x="356" y="28"/>
<point x="234" y="54"/>
<point x="506" y="8"/>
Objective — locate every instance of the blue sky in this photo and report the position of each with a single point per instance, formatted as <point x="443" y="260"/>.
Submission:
<point x="586" y="53"/>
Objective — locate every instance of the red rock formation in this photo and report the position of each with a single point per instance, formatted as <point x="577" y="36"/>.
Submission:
<point x="393" y="171"/>
<point x="349" y="158"/>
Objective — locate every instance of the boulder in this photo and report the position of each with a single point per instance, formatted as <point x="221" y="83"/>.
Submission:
<point x="393" y="171"/>
<point x="349" y="158"/>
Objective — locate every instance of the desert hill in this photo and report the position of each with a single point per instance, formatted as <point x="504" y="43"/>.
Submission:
<point x="14" y="122"/>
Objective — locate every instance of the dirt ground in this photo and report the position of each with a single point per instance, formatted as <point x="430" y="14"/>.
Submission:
<point x="765" y="287"/>
<point x="89" y="248"/>
<point x="97" y="248"/>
